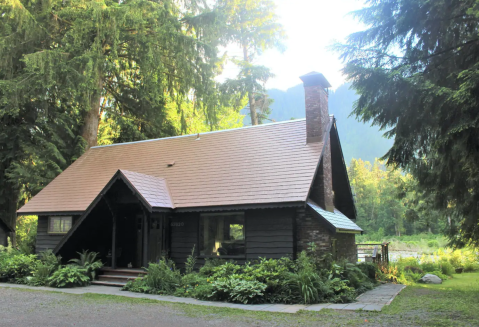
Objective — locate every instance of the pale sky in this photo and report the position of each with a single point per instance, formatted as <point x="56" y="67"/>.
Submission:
<point x="311" y="26"/>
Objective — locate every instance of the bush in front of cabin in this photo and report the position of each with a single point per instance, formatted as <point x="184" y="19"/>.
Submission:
<point x="47" y="264"/>
<point x="88" y="261"/>
<point x="238" y="290"/>
<point x="15" y="266"/>
<point x="69" y="276"/>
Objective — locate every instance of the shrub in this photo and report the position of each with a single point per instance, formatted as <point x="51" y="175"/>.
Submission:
<point x="137" y="285"/>
<point x="433" y="244"/>
<point x="226" y="270"/>
<point x="471" y="266"/>
<point x="415" y="270"/>
<point x="447" y="268"/>
<point x="305" y="286"/>
<point x="88" y="262"/>
<point x="190" y="262"/>
<point x="69" y="276"/>
<point x="204" y="292"/>
<point x="208" y="268"/>
<point x="162" y="277"/>
<point x="369" y="269"/>
<point x="430" y="266"/>
<point x="238" y="291"/>
<point x="16" y="265"/>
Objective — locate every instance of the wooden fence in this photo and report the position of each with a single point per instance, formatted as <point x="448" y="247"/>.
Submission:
<point x="373" y="252"/>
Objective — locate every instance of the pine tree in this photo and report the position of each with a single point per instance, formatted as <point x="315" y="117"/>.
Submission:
<point x="253" y="26"/>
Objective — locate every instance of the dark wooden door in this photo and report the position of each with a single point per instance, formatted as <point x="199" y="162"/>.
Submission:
<point x="139" y="240"/>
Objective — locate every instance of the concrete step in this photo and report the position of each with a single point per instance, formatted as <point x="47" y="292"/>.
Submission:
<point x="105" y="283"/>
<point x="122" y="272"/>
<point x="116" y="278"/>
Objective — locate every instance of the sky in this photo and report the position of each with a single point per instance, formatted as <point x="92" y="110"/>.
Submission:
<point x="311" y="26"/>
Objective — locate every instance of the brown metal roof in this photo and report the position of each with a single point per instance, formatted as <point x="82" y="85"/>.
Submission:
<point x="254" y="165"/>
<point x="153" y="189"/>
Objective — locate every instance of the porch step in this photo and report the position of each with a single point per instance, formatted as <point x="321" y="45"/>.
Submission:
<point x="105" y="283"/>
<point x="122" y="271"/>
<point x="117" y="277"/>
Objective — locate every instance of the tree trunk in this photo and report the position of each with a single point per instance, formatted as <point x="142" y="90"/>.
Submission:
<point x="252" y="102"/>
<point x="252" y="109"/>
<point x="91" y="119"/>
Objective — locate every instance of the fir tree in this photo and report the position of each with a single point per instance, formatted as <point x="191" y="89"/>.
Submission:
<point x="415" y="69"/>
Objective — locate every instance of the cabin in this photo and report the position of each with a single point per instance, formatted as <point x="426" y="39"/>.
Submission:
<point x="261" y="191"/>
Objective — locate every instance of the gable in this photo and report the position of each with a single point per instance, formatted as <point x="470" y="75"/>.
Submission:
<point x="343" y="197"/>
<point x="344" y="200"/>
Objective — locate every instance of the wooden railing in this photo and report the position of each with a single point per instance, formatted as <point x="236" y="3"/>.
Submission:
<point x="373" y="252"/>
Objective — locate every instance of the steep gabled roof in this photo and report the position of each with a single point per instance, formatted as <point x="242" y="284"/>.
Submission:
<point x="265" y="164"/>
<point x="338" y="221"/>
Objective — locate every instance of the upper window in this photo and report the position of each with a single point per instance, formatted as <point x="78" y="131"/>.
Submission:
<point x="222" y="234"/>
<point x="59" y="224"/>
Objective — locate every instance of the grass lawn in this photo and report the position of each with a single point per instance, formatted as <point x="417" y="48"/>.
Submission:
<point x="453" y="303"/>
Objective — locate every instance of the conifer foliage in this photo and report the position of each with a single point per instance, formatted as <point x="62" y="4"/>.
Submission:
<point x="416" y="70"/>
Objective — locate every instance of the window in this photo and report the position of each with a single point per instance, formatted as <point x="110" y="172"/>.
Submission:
<point x="222" y="234"/>
<point x="59" y="225"/>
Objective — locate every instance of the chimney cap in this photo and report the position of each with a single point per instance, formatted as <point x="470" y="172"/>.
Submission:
<point x="314" y="79"/>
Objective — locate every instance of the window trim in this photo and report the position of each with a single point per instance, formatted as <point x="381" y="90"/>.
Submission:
<point x="61" y="217"/>
<point x="216" y="214"/>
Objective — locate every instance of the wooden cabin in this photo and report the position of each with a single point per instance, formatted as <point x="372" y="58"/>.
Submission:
<point x="261" y="191"/>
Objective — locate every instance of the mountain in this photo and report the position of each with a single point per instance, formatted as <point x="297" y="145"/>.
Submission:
<point x="358" y="140"/>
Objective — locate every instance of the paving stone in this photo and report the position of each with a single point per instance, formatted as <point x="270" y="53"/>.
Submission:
<point x="316" y="307"/>
<point x="294" y="308"/>
<point x="354" y="306"/>
<point x="337" y="306"/>
<point x="373" y="307"/>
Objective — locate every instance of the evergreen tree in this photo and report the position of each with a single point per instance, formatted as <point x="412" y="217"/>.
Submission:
<point x="416" y="70"/>
<point x="253" y="26"/>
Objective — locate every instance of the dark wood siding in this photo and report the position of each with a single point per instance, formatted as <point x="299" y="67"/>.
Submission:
<point x="47" y="241"/>
<point x="184" y="235"/>
<point x="269" y="233"/>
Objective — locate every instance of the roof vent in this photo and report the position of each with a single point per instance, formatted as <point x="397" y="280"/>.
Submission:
<point x="171" y="164"/>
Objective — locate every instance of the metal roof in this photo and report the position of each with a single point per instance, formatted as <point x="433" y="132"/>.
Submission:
<point x="265" y="164"/>
<point x="336" y="218"/>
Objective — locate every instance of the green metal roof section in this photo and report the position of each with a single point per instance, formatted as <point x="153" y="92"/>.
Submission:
<point x="337" y="219"/>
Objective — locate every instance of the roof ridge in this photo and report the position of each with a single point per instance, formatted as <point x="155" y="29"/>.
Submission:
<point x="211" y="132"/>
<point x="135" y="172"/>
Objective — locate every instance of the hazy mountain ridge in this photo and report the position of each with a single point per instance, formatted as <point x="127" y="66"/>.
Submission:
<point x="358" y="140"/>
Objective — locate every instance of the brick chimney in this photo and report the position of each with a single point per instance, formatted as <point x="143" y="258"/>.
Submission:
<point x="317" y="113"/>
<point x="317" y="121"/>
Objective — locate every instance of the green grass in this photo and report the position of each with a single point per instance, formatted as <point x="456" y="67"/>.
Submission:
<point x="453" y="303"/>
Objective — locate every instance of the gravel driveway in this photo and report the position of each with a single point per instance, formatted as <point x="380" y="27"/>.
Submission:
<point x="33" y="308"/>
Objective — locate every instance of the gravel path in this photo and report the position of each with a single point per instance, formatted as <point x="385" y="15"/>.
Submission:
<point x="27" y="308"/>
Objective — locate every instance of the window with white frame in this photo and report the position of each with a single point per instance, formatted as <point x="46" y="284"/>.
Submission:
<point x="59" y="224"/>
<point x="222" y="234"/>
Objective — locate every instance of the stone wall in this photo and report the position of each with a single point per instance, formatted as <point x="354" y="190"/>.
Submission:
<point x="310" y="228"/>
<point x="346" y="247"/>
